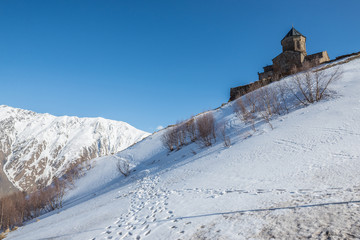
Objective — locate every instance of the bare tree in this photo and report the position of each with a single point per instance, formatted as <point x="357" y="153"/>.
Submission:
<point x="58" y="191"/>
<point x="242" y="112"/>
<point x="191" y="129"/>
<point x="19" y="207"/>
<point x="74" y="171"/>
<point x="206" y="128"/>
<point x="312" y="85"/>
<point x="251" y="98"/>
<point x="283" y="90"/>
<point x="225" y="137"/>
<point x="268" y="103"/>
<point x="181" y="134"/>
<point x="169" y="139"/>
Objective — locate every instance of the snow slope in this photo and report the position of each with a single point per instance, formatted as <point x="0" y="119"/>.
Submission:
<point x="299" y="180"/>
<point x="35" y="147"/>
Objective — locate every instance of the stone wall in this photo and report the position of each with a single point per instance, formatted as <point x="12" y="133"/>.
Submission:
<point x="317" y="58"/>
<point x="285" y="62"/>
<point x="294" y="43"/>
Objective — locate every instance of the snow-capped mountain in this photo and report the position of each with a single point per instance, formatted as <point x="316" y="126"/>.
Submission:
<point x="34" y="147"/>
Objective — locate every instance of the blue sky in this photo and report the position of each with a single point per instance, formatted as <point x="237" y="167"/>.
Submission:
<point x="152" y="63"/>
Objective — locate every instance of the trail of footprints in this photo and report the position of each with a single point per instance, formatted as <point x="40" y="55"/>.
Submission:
<point x="149" y="206"/>
<point x="148" y="203"/>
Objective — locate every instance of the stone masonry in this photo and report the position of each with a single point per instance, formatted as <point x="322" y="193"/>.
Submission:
<point x="292" y="58"/>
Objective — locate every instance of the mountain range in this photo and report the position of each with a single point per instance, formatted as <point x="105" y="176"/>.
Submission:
<point x="36" y="147"/>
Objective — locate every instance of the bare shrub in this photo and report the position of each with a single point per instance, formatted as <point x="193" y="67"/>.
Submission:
<point x="205" y="125"/>
<point x="283" y="90"/>
<point x="225" y="137"/>
<point x="19" y="207"/>
<point x="312" y="86"/>
<point x="181" y="134"/>
<point x="268" y="103"/>
<point x="74" y="171"/>
<point x="191" y="129"/>
<point x="242" y="112"/>
<point x="123" y="167"/>
<point x="275" y="101"/>
<point x="7" y="218"/>
<point x="170" y="139"/>
<point x="264" y="102"/>
<point x="251" y="98"/>
<point x="56" y="193"/>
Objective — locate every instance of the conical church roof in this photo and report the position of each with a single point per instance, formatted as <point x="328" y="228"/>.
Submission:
<point x="293" y="32"/>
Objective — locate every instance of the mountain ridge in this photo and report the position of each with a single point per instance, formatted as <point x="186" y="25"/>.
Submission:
<point x="34" y="147"/>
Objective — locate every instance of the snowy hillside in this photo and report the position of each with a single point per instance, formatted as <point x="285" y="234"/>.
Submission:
<point x="299" y="180"/>
<point x="34" y="147"/>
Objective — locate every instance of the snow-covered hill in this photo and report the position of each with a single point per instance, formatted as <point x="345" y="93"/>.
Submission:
<point x="34" y="147"/>
<point x="299" y="180"/>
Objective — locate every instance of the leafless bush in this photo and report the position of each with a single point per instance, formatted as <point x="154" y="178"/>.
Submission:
<point x="191" y="129"/>
<point x="19" y="207"/>
<point x="123" y="167"/>
<point x="170" y="139"/>
<point x="269" y="103"/>
<point x="205" y="125"/>
<point x="181" y="134"/>
<point x="283" y="90"/>
<point x="263" y="102"/>
<point x="225" y="137"/>
<point x="48" y="195"/>
<point x="251" y="98"/>
<point x="242" y="112"/>
<point x="57" y="192"/>
<point x="74" y="171"/>
<point x="312" y="86"/>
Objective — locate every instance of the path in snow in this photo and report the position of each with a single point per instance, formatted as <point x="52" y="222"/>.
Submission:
<point x="150" y="210"/>
<point x="148" y="203"/>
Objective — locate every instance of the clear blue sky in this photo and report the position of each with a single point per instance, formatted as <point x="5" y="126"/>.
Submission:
<point x="151" y="63"/>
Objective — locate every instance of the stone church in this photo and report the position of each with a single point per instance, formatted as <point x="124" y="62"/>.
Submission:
<point x="292" y="58"/>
